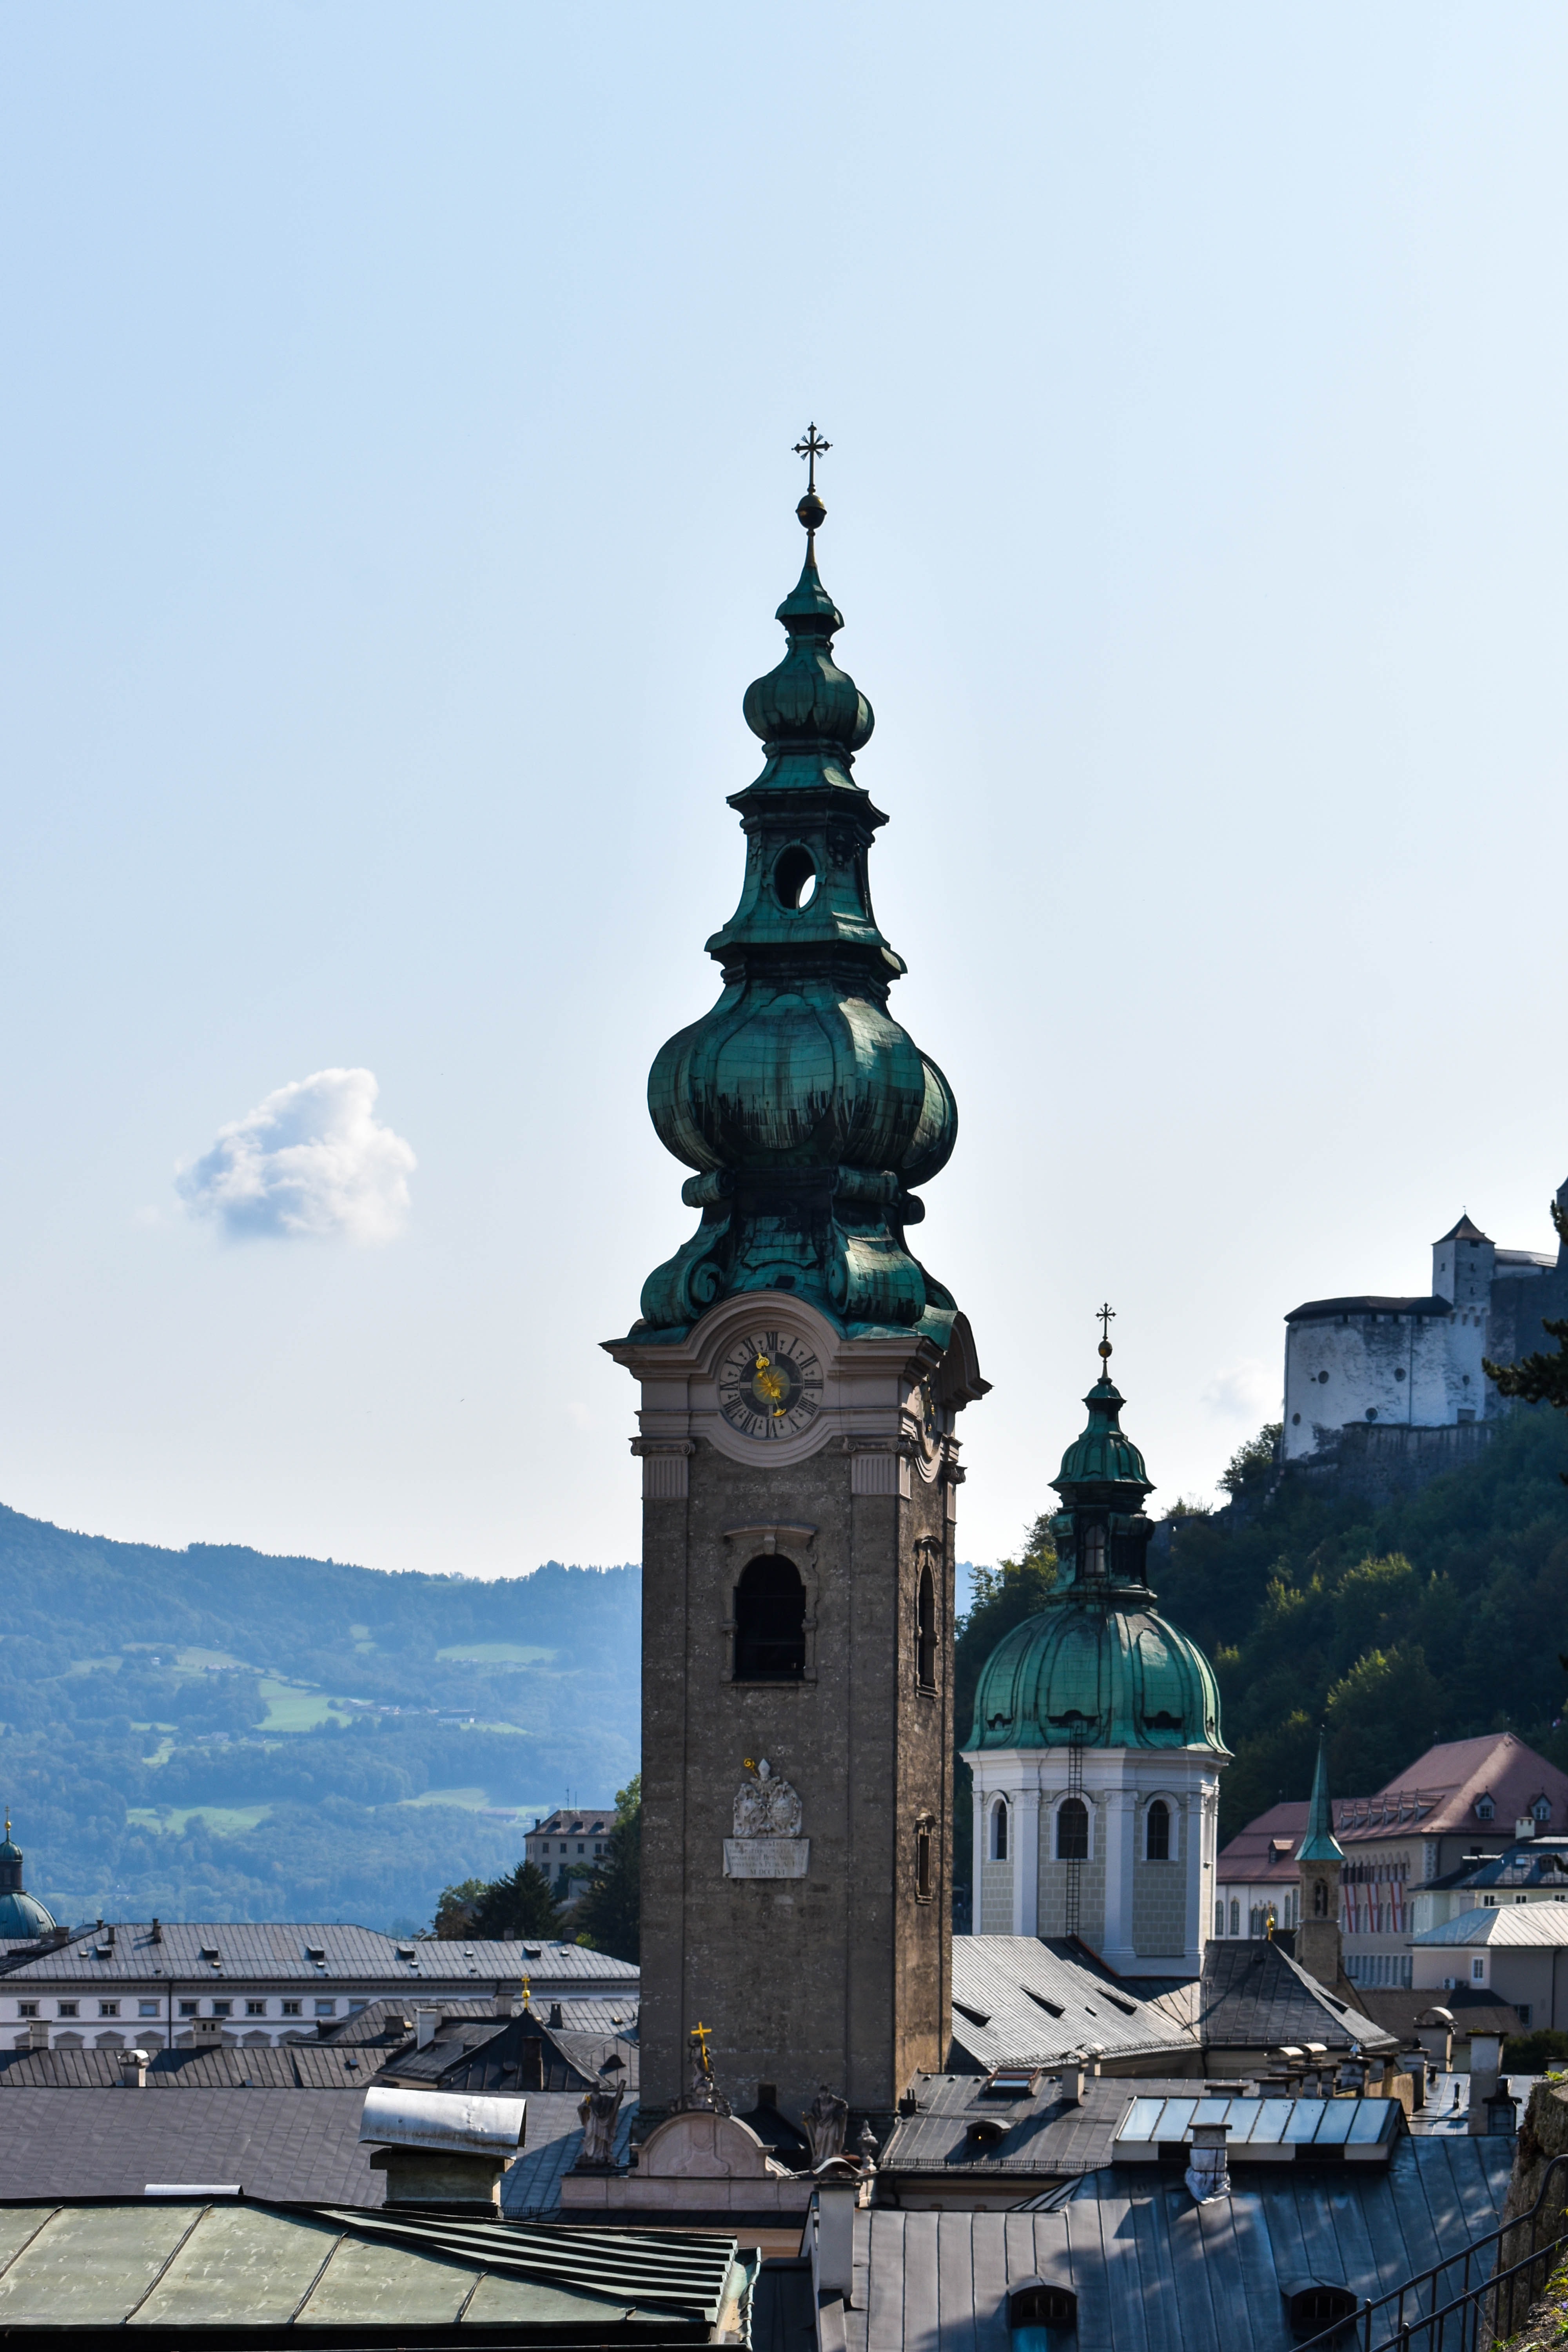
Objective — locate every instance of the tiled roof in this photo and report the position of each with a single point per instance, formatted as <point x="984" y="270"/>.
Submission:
<point x="1026" y="1998"/>
<point x="1255" y="1997"/>
<point x="279" y="1951"/>
<point x="94" y="2142"/>
<point x="1433" y="1796"/>
<point x="1153" y="2273"/>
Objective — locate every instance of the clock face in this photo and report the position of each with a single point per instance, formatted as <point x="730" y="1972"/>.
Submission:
<point x="770" y="1386"/>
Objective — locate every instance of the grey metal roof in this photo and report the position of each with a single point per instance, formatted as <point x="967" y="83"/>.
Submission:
<point x="93" y="2143"/>
<point x="491" y="2054"/>
<point x="297" y="2065"/>
<point x="237" y="2267"/>
<point x="1028" y="1999"/>
<point x="1317" y="1310"/>
<point x="390" y="2023"/>
<point x="530" y="2189"/>
<point x="1255" y="1997"/>
<point x="279" y="1951"/>
<point x="1046" y="2138"/>
<point x="783" y="2307"/>
<point x="1154" y="2272"/>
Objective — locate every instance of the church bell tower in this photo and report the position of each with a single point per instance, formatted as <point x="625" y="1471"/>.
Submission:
<point x="801" y="1376"/>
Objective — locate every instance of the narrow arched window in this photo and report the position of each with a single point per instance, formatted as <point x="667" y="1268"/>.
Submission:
<point x="1219" y="1918"/>
<point x="925" y="1630"/>
<point x="1157" y="1837"/>
<point x="923" y="1862"/>
<point x="1072" y="1831"/>
<point x="770" y="1623"/>
<point x="1235" y="1917"/>
<point x="999" y="1830"/>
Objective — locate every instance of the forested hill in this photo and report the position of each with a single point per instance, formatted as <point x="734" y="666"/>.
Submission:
<point x="1437" y="1616"/>
<point x="215" y="1733"/>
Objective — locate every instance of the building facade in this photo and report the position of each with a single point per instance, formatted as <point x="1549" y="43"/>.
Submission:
<point x="1096" y="1747"/>
<point x="567" y="1845"/>
<point x="800" y="1375"/>
<point x="158" y="1985"/>
<point x="1415" y="1364"/>
<point x="1404" y="1849"/>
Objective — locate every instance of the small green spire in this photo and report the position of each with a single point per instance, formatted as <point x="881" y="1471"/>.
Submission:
<point x="1320" y="1843"/>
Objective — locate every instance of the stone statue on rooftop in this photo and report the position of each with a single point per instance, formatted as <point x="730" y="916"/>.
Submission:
<point x="600" y="2109"/>
<point x="824" y="2122"/>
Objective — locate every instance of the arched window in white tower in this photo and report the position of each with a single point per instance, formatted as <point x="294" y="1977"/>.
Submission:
<point x="999" y="1829"/>
<point x="1157" y="1831"/>
<point x="1073" y="1830"/>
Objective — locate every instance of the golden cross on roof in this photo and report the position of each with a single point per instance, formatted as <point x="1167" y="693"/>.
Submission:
<point x="702" y="2035"/>
<point x="811" y="450"/>
<point x="527" y="1989"/>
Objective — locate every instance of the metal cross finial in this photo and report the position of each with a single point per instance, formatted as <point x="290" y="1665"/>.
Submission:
<point x="702" y="2035"/>
<point x="813" y="447"/>
<point x="1105" y="1316"/>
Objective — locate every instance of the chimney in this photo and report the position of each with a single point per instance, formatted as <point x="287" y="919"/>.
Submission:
<point x="1486" y="2057"/>
<point x="507" y="1999"/>
<point x="833" y="2240"/>
<point x="133" y="2070"/>
<point x="37" y="2033"/>
<point x="555" y="2017"/>
<point x="424" y="2023"/>
<point x="157" y="1934"/>
<point x="206" y="2032"/>
<point x="1208" y="2175"/>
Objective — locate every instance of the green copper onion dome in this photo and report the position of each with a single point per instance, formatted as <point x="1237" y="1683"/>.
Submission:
<point x="806" y="1113"/>
<point x="23" y="1919"/>
<point x="1098" y="1666"/>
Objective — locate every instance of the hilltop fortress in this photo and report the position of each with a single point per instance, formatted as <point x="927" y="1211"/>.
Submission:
<point x="1396" y="1386"/>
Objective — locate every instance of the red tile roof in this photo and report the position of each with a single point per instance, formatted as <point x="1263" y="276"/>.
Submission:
<point x="1438" y="1793"/>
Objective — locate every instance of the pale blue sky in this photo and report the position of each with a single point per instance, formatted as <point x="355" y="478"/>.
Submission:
<point x="396" y="490"/>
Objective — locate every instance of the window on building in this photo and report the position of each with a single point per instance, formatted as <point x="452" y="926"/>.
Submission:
<point x="563" y="1846"/>
<point x="255" y="2009"/>
<point x="1157" y="1831"/>
<point x="1236" y="1916"/>
<point x="1524" y="2009"/>
<point x="1485" y="1809"/>
<point x="581" y="1847"/>
<point x="1478" y="1974"/>
<point x="923" y="1862"/>
<point x="109" y="2008"/>
<point x="999" y="1830"/>
<point x="148" y="2009"/>
<point x="925" y="1630"/>
<point x="27" y="2008"/>
<point x="1254" y="1921"/>
<point x="190" y="2009"/>
<point x="1219" y="1918"/>
<point x="223" y="2009"/>
<point x="326" y="2009"/>
<point x="770" y="1623"/>
<point x="290" y="2007"/>
<point x="1541" y="1809"/>
<point x="1094" y="1551"/>
<point x="67" y="2009"/>
<point x="1073" y="1830"/>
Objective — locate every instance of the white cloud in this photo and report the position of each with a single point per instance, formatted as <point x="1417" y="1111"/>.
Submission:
<point x="1248" y="1392"/>
<point x="309" y="1159"/>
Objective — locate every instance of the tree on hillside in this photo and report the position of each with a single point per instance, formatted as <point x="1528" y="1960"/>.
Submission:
<point x="502" y="1910"/>
<point x="1540" y="1379"/>
<point x="609" y="1916"/>
<point x="1252" y="1466"/>
<point x="455" y="1909"/>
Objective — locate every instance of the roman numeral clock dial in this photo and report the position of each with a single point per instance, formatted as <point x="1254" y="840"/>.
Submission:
<point x="770" y="1386"/>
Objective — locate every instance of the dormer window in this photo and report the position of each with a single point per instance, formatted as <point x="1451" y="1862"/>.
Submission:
<point x="1485" y="1809"/>
<point x="1541" y="1809"/>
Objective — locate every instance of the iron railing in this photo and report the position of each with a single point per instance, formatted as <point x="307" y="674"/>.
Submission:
<point x="1426" y="2313"/>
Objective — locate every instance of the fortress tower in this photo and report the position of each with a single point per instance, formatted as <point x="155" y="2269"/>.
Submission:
<point x="800" y="1377"/>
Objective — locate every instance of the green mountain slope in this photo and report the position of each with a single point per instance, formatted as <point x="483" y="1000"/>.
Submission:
<point x="1437" y="1616"/>
<point x="217" y="1734"/>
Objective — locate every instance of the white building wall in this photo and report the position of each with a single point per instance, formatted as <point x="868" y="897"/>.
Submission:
<point x="1141" y="1915"/>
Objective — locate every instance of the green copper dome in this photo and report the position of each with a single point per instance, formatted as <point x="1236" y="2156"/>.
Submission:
<point x="806" y="1112"/>
<point x="1098" y="1666"/>
<point x="21" y="1918"/>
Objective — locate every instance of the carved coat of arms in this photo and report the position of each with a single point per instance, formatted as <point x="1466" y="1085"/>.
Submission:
<point x="767" y="1842"/>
